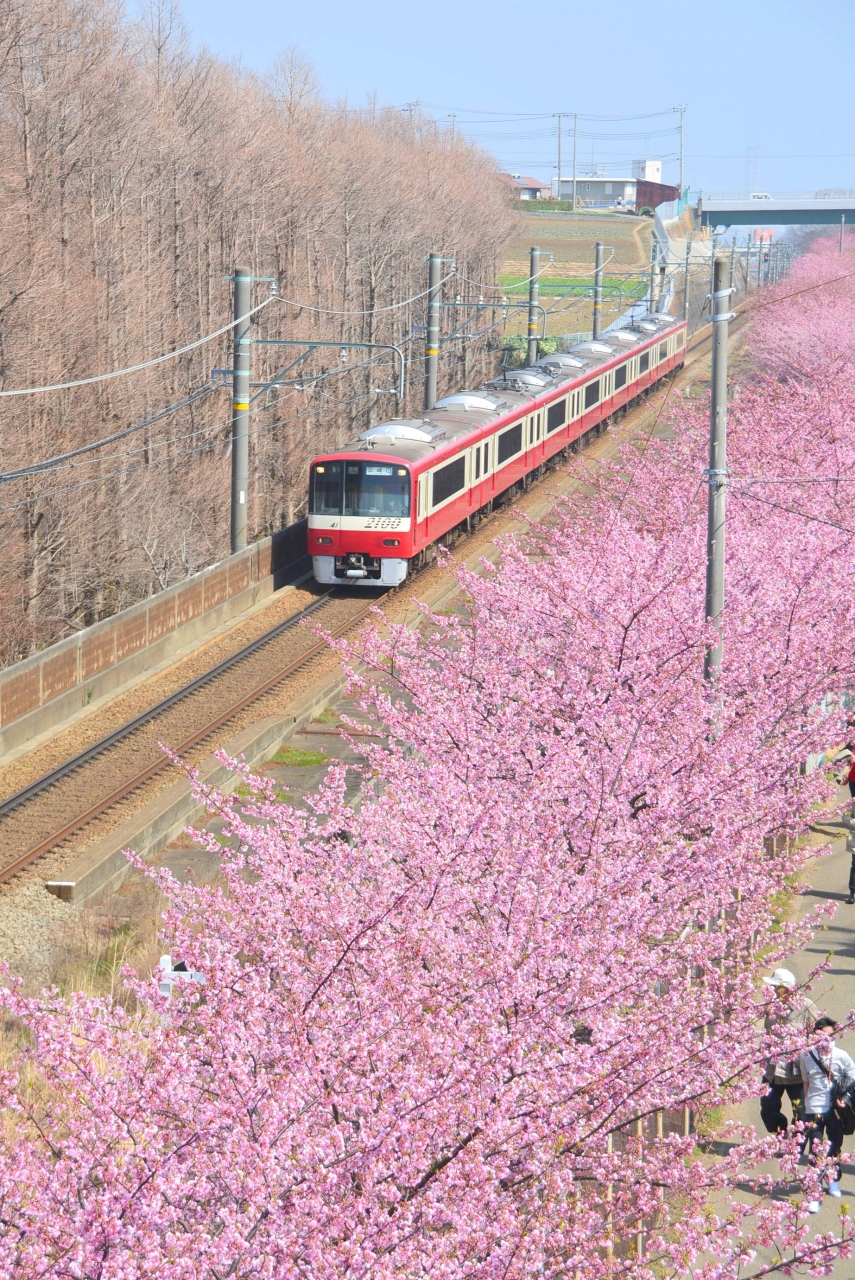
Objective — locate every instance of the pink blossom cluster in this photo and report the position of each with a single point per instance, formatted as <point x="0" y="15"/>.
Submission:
<point x="438" y="1027"/>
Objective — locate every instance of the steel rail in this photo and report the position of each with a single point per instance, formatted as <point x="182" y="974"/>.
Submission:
<point x="83" y="757"/>
<point x="198" y="736"/>
<point x="49" y="779"/>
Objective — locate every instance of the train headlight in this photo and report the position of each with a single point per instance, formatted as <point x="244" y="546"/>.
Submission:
<point x="391" y="542"/>
<point x="325" y="542"/>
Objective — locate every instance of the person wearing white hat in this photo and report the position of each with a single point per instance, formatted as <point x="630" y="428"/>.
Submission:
<point x="783" y="1075"/>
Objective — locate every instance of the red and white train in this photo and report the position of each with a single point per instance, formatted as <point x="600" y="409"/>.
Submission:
<point x="378" y="504"/>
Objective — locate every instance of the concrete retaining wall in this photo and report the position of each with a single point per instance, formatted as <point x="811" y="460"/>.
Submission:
<point x="43" y="691"/>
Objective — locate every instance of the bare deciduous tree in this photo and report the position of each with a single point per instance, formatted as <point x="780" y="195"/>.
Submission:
<point x="136" y="175"/>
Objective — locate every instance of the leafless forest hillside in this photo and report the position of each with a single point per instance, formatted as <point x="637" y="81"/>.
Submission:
<point x="136" y="174"/>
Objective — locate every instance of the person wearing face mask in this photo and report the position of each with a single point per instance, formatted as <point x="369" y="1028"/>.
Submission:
<point x="826" y="1071"/>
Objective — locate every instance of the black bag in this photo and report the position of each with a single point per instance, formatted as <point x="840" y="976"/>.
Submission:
<point x="847" y="1113"/>
<point x="842" y="1093"/>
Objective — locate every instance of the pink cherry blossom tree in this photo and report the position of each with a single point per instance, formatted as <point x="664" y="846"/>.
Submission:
<point x="440" y="1031"/>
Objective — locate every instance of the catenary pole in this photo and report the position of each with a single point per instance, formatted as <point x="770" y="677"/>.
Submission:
<point x="598" y="290"/>
<point x="240" y="408"/>
<point x="652" y="305"/>
<point x="747" y="263"/>
<point x="560" y="118"/>
<point x="432" y="329"/>
<point x="842" y="229"/>
<point x="686" y="278"/>
<point x="717" y="472"/>
<point x="533" y="299"/>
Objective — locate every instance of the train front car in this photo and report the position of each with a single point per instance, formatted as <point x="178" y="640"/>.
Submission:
<point x="360" y="519"/>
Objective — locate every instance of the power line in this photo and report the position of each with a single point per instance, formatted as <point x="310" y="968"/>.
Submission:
<point x="36" y="467"/>
<point x="328" y="311"/>
<point x="769" y="502"/>
<point x="126" y="471"/>
<point x="135" y="368"/>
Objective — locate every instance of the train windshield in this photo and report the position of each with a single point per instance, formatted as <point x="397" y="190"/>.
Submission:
<point x="360" y="489"/>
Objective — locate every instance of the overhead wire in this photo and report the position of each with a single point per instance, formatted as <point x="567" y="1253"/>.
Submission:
<point x="146" y="364"/>
<point x="60" y="459"/>
<point x="394" y="306"/>
<point x="804" y="515"/>
<point x="82" y="484"/>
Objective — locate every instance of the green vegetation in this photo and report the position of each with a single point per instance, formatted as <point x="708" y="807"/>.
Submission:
<point x="553" y="286"/>
<point x="566" y="206"/>
<point x="516" y="347"/>
<point x="328" y="716"/>
<point x="298" y="756"/>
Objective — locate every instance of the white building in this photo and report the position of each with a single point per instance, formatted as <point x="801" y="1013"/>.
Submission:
<point x="598" y="190"/>
<point x="647" y="170"/>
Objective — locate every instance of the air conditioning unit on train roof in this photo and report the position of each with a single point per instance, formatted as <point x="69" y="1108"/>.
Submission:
<point x="621" y="335"/>
<point x="470" y="400"/>
<point x="417" y="429"/>
<point x="560" y="360"/>
<point x="597" y="348"/>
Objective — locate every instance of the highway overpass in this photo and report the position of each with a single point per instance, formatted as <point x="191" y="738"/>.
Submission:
<point x="777" y="211"/>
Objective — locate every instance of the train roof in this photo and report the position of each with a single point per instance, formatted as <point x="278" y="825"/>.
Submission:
<point x="459" y="414"/>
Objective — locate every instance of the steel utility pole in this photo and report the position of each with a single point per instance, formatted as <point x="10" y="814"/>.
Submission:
<point x="240" y="408"/>
<point x="686" y="278"/>
<point x="598" y="289"/>
<point x="559" y="155"/>
<point x="682" y="111"/>
<point x="651" y="307"/>
<point x="533" y="299"/>
<point x="717" y="472"/>
<point x="747" y="263"/>
<point x="432" y="329"/>
<point x="575" y="139"/>
<point x="842" y="229"/>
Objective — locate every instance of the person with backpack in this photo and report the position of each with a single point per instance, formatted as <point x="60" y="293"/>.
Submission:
<point x="783" y="1075"/>
<point x="827" y="1072"/>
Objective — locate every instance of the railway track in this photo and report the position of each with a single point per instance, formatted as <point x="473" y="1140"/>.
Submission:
<point x="49" y="811"/>
<point x="41" y="816"/>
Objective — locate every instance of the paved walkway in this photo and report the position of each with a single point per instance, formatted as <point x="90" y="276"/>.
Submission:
<point x="833" y="993"/>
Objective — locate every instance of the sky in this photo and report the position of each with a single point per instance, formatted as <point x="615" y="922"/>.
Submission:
<point x="766" y="83"/>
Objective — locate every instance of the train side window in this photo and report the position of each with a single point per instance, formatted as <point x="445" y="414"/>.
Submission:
<point x="510" y="443"/>
<point x="644" y="362"/>
<point x="556" y="415"/>
<point x="477" y="462"/>
<point x="592" y="393"/>
<point x="486" y="456"/>
<point x="680" y="339"/>
<point x="531" y="422"/>
<point x="620" y="377"/>
<point x="663" y="351"/>
<point x="448" y="480"/>
<point x="421" y="497"/>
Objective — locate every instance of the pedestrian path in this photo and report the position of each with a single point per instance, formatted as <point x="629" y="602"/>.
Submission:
<point x="833" y="993"/>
